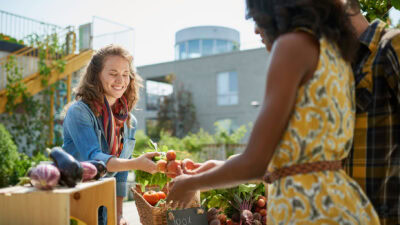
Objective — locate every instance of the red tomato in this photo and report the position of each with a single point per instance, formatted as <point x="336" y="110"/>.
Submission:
<point x="171" y="155"/>
<point x="151" y="197"/>
<point x="162" y="166"/>
<point x="161" y="195"/>
<point x="188" y="164"/>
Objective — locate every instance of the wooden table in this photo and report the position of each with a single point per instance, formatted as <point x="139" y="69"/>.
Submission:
<point x="28" y="205"/>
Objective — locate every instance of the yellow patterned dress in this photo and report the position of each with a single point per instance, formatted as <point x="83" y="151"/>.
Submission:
<point x="320" y="129"/>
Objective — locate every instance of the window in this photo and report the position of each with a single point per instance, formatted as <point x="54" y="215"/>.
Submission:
<point x="194" y="48"/>
<point x="227" y="88"/>
<point x="222" y="46"/>
<point x="177" y="52"/>
<point x="182" y="51"/>
<point x="155" y="91"/>
<point x="207" y="47"/>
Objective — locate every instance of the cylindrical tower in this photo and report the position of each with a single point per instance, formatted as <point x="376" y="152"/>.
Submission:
<point x="200" y="41"/>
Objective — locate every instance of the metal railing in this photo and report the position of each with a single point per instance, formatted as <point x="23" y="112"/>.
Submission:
<point x="20" y="27"/>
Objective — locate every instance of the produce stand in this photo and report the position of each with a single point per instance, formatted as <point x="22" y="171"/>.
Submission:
<point x="28" y="205"/>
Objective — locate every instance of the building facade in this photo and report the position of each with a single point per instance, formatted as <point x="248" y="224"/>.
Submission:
<point x="227" y="86"/>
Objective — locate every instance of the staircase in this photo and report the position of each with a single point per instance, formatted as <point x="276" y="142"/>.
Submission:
<point x="27" y="59"/>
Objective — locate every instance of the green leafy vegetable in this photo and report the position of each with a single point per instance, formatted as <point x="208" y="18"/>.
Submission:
<point x="144" y="178"/>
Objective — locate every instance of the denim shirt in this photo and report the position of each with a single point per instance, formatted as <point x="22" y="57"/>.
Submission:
<point x="84" y="139"/>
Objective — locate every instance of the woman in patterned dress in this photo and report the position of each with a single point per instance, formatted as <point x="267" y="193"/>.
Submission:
<point x="305" y="126"/>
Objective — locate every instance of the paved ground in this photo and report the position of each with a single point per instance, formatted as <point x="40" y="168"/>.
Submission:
<point x="131" y="213"/>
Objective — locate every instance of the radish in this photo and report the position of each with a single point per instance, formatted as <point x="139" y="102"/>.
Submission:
<point x="261" y="203"/>
<point x="246" y="217"/>
<point x="215" y="222"/>
<point x="212" y="214"/>
<point x="257" y="216"/>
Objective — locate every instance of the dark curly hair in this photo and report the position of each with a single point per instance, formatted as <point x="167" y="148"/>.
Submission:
<point x="354" y="5"/>
<point x="323" y="17"/>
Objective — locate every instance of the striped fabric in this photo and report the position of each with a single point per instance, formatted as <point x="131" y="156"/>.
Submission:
<point x="113" y="124"/>
<point x="374" y="161"/>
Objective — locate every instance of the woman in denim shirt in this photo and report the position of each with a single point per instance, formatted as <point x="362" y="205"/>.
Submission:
<point x="99" y="125"/>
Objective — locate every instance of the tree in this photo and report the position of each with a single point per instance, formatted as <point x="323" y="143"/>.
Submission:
<point x="378" y="9"/>
<point x="177" y="113"/>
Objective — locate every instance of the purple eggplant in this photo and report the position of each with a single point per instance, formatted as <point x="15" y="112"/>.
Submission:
<point x="101" y="168"/>
<point x="89" y="171"/>
<point x="70" y="169"/>
<point x="44" y="176"/>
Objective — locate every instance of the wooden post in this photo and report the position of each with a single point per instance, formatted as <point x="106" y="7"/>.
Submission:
<point x="51" y="122"/>
<point x="69" y="77"/>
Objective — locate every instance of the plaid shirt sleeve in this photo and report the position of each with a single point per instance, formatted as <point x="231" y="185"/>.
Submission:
<point x="374" y="161"/>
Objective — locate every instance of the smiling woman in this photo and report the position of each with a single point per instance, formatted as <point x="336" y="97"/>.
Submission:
<point x="115" y="78"/>
<point x="99" y="125"/>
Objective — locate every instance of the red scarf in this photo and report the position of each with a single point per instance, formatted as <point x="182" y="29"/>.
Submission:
<point x="113" y="123"/>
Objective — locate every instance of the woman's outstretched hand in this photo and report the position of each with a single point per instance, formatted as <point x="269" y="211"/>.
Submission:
<point x="145" y="162"/>
<point x="202" y="167"/>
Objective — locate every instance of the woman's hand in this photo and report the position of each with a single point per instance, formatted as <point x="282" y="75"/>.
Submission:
<point x="180" y="194"/>
<point x="145" y="162"/>
<point x="202" y="167"/>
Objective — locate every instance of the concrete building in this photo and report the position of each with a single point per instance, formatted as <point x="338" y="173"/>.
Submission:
<point x="225" y="86"/>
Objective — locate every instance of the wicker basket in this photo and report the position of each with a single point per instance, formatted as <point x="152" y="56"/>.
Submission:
<point x="150" y="215"/>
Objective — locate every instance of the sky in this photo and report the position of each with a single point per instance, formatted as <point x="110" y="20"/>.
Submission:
<point x="154" y="22"/>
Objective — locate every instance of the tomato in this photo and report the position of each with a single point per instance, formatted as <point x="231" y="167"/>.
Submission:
<point x="151" y="197"/>
<point x="161" y="195"/>
<point x="188" y="164"/>
<point x="173" y="169"/>
<point x="171" y="155"/>
<point x="162" y="166"/>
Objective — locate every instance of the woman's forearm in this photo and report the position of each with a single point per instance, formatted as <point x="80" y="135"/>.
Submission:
<point x="115" y="164"/>
<point x="143" y="162"/>
<point x="233" y="172"/>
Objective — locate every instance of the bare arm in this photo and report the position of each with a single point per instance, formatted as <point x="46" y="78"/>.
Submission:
<point x="293" y="57"/>
<point x="142" y="162"/>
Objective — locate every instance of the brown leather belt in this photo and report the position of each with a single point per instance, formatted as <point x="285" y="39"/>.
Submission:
<point x="302" y="169"/>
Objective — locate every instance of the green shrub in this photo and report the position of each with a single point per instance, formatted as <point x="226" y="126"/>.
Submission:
<point x="23" y="164"/>
<point x="9" y="156"/>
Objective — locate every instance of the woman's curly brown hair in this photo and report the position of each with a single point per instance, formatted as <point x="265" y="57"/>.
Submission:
<point x="323" y="17"/>
<point x="90" y="90"/>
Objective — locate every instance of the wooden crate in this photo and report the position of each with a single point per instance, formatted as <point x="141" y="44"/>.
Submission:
<point x="28" y="205"/>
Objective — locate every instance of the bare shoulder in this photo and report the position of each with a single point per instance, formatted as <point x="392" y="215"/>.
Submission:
<point x="298" y="40"/>
<point x="298" y="49"/>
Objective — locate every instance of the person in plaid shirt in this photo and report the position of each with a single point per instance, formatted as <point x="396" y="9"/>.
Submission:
<point x="375" y="160"/>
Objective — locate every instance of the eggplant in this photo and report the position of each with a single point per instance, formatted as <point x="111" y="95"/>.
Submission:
<point x="89" y="171"/>
<point x="44" y="176"/>
<point x="70" y="169"/>
<point x="101" y="168"/>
